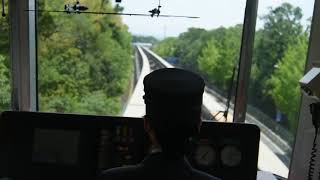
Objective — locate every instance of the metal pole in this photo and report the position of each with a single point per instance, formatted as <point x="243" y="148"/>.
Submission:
<point x="22" y="49"/>
<point x="246" y="52"/>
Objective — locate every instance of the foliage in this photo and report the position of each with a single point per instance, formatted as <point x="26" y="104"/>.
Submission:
<point x="144" y="39"/>
<point x="193" y="48"/>
<point x="284" y="81"/>
<point x="84" y="60"/>
<point x="4" y="85"/>
<point x="208" y="62"/>
<point x="188" y="47"/>
<point x="282" y="28"/>
<point x="5" y="76"/>
<point x="166" y="48"/>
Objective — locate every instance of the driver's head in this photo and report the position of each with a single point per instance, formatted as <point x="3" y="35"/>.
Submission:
<point x="173" y="99"/>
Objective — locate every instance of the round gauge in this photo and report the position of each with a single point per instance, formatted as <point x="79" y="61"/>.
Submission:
<point x="204" y="155"/>
<point x="231" y="156"/>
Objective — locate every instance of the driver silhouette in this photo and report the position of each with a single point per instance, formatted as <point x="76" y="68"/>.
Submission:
<point x="173" y="99"/>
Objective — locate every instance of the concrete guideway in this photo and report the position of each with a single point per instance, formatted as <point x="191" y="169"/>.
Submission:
<point x="268" y="160"/>
<point x="136" y="106"/>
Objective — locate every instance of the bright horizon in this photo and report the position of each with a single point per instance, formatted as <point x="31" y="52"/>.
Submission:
<point x="212" y="15"/>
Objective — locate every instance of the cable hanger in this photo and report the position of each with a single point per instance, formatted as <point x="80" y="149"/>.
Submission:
<point x="78" y="8"/>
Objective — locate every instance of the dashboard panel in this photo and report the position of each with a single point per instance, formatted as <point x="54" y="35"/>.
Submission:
<point x="59" y="146"/>
<point x="227" y="150"/>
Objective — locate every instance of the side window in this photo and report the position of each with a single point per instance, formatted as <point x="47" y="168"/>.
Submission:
<point x="5" y="75"/>
<point x="210" y="46"/>
<point x="279" y="59"/>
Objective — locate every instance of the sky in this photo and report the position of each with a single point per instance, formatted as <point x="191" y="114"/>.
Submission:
<point x="212" y="14"/>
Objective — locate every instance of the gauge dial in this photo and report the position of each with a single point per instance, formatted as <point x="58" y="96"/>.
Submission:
<point x="205" y="155"/>
<point x="231" y="156"/>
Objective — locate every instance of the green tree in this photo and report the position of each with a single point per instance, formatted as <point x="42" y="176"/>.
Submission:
<point x="166" y="48"/>
<point x="284" y="82"/>
<point x="83" y="59"/>
<point x="4" y="85"/>
<point x="208" y="62"/>
<point x="228" y="42"/>
<point x="193" y="46"/>
<point x="282" y="28"/>
<point x="144" y="39"/>
<point x="5" y="76"/>
<point x="188" y="47"/>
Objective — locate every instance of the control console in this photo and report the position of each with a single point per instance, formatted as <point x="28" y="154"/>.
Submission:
<point x="59" y="146"/>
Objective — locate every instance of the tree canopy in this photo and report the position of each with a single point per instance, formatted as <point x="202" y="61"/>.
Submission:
<point x="85" y="61"/>
<point x="144" y="39"/>
<point x="284" y="84"/>
<point x="212" y="53"/>
<point x="5" y="76"/>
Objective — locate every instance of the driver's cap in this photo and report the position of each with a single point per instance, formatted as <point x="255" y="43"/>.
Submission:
<point x="172" y="87"/>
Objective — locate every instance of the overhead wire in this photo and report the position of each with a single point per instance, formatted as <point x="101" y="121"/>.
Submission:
<point x="109" y="13"/>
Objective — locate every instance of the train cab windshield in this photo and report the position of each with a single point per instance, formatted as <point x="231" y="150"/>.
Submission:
<point x="78" y="66"/>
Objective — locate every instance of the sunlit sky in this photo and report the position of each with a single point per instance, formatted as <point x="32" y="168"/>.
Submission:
<point x="212" y="14"/>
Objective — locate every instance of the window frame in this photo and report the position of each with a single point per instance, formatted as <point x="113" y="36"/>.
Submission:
<point x="245" y="61"/>
<point x="23" y="55"/>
